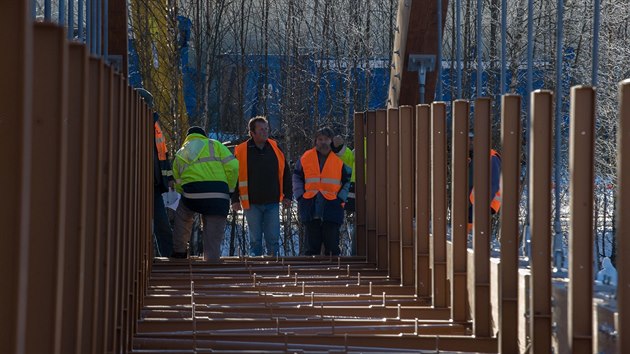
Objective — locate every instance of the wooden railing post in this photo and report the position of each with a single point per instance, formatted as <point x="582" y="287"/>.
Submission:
<point x="540" y="217"/>
<point x="370" y="197"/>
<point x="510" y="191"/>
<point x="481" y="217"/>
<point x="423" y="199"/>
<point x="393" y="194"/>
<point x="75" y="234"/>
<point x="16" y="120"/>
<point x="406" y="191"/>
<point x="360" y="189"/>
<point x="48" y="190"/>
<point x="382" y="242"/>
<point x="438" y="199"/>
<point x="459" y="211"/>
<point x="623" y="222"/>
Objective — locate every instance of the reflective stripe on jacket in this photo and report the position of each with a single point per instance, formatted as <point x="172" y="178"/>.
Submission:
<point x="241" y="155"/>
<point x="204" y="160"/>
<point x="327" y="182"/>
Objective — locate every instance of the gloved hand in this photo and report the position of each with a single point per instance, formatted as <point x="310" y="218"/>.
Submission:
<point x="337" y="143"/>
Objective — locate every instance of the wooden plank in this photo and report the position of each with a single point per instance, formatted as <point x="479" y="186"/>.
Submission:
<point x="48" y="190"/>
<point x="16" y="90"/>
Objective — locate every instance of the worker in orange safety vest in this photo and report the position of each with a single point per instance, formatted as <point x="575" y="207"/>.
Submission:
<point x="495" y="181"/>
<point x="321" y="183"/>
<point x="264" y="180"/>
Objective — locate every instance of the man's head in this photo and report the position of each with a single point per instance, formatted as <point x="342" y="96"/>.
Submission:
<point x="259" y="129"/>
<point x="196" y="130"/>
<point x="471" y="137"/>
<point x="323" y="139"/>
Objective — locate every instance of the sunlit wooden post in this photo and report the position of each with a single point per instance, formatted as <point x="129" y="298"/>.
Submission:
<point x="423" y="199"/>
<point x="459" y="211"/>
<point x="438" y="199"/>
<point x="540" y="217"/>
<point x="623" y="222"/>
<point x="510" y="191"/>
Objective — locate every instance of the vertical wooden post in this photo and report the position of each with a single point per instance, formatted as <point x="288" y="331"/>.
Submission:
<point x="113" y="215"/>
<point x="581" y="160"/>
<point x="48" y="195"/>
<point x="540" y="217"/>
<point x="381" y="186"/>
<point x="623" y="222"/>
<point x="359" y="165"/>
<point x="118" y="29"/>
<point x="393" y="195"/>
<point x="459" y="211"/>
<point x="510" y="191"/>
<point x="438" y="198"/>
<point x="406" y="195"/>
<point x="481" y="217"/>
<point x="423" y="199"/>
<point x="16" y="90"/>
<point x="370" y="196"/>
<point x="77" y="113"/>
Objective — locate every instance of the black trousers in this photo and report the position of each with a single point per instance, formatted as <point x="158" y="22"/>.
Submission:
<point x="318" y="231"/>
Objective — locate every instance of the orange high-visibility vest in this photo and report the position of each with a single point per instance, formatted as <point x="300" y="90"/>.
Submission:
<point x="495" y="203"/>
<point x="240" y="152"/>
<point x="328" y="181"/>
<point x="160" y="142"/>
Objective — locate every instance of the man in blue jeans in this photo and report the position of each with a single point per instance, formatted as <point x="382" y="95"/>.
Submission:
<point x="264" y="179"/>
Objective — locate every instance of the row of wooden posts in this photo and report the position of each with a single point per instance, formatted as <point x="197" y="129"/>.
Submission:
<point x="77" y="194"/>
<point x="402" y="226"/>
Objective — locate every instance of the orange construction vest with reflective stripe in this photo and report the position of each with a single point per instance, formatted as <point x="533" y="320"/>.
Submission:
<point x="240" y="152"/>
<point x="160" y="142"/>
<point x="495" y="203"/>
<point x="327" y="182"/>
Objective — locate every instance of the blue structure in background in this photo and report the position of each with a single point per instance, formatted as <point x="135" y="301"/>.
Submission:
<point x="332" y="81"/>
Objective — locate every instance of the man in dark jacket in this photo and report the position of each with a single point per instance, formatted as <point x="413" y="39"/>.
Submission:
<point x="264" y="179"/>
<point x="321" y="182"/>
<point x="162" y="182"/>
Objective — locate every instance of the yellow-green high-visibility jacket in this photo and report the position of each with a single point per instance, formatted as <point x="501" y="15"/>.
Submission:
<point x="205" y="174"/>
<point x="347" y="156"/>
